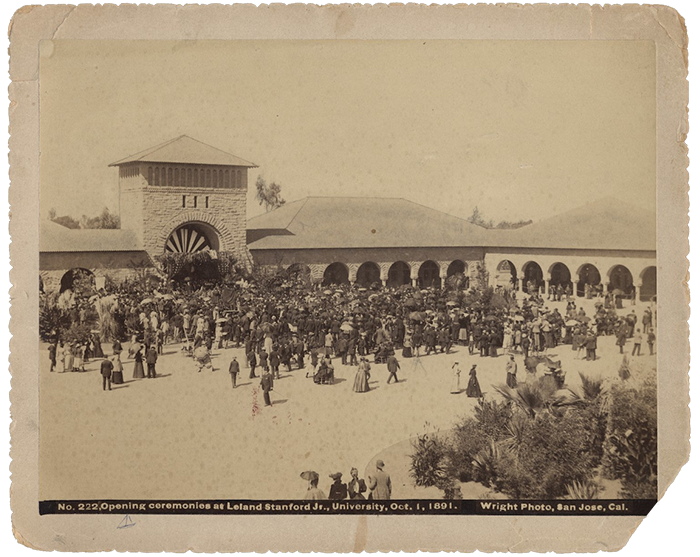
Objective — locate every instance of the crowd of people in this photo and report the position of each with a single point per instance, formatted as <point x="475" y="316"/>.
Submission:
<point x="290" y="325"/>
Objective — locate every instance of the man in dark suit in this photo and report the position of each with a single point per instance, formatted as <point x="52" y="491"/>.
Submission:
<point x="106" y="370"/>
<point x="392" y="364"/>
<point x="234" y="368"/>
<point x="151" y="359"/>
<point x="267" y="383"/>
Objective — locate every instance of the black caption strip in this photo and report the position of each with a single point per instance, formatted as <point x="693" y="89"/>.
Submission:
<point x="601" y="507"/>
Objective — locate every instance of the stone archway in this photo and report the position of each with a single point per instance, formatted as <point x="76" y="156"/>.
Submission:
<point x="192" y="238"/>
<point x="368" y="274"/>
<point x="78" y="280"/>
<point x="560" y="275"/>
<point x="335" y="273"/>
<point x="647" y="290"/>
<point x="506" y="274"/>
<point x="399" y="274"/>
<point x="429" y="274"/>
<point x="621" y="279"/>
<point x="214" y="227"/>
<point x="533" y="275"/>
<point x="587" y="274"/>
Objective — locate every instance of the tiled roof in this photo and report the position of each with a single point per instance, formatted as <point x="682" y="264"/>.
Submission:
<point x="185" y="150"/>
<point x="605" y="224"/>
<point x="56" y="238"/>
<point x="353" y="222"/>
<point x="362" y="222"/>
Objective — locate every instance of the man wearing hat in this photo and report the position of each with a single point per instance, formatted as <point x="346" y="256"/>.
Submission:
<point x="339" y="490"/>
<point x="380" y="483"/>
<point x="392" y="364"/>
<point x="234" y="368"/>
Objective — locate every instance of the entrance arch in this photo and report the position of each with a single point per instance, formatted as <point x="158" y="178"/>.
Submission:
<point x="648" y="288"/>
<point x="192" y="237"/>
<point x="456" y="275"/>
<point x="621" y="279"/>
<point x="560" y="275"/>
<point x="78" y="280"/>
<point x="399" y="274"/>
<point x="533" y="274"/>
<point x="299" y="270"/>
<point x="587" y="274"/>
<point x="506" y="274"/>
<point x="368" y="274"/>
<point x="429" y="275"/>
<point x="335" y="273"/>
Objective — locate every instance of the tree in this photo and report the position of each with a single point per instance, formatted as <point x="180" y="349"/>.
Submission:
<point x="105" y="219"/>
<point x="478" y="218"/>
<point x="268" y="195"/>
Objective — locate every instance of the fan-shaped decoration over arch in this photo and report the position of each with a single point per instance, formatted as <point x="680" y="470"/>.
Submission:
<point x="188" y="239"/>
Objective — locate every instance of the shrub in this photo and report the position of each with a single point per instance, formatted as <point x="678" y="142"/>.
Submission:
<point x="630" y="449"/>
<point x="428" y="462"/>
<point x="467" y="441"/>
<point x="553" y="453"/>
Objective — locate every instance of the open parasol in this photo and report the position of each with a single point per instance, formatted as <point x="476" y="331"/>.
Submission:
<point x="451" y="304"/>
<point x="416" y="316"/>
<point x="309" y="475"/>
<point x="518" y="318"/>
<point x="617" y="292"/>
<point x="346" y="327"/>
<point x="584" y="319"/>
<point x="571" y="323"/>
<point x="146" y="301"/>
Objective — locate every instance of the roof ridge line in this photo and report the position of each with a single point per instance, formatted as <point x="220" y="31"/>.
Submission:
<point x="216" y="148"/>
<point x="438" y="211"/>
<point x="147" y="151"/>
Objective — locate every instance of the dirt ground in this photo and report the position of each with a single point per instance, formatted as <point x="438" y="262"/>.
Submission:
<point x="190" y="435"/>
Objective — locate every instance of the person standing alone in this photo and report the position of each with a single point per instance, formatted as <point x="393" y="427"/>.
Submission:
<point x="106" y="370"/>
<point x="151" y="359"/>
<point x="233" y="369"/>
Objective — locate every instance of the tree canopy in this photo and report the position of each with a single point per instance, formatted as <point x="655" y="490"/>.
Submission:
<point x="269" y="195"/>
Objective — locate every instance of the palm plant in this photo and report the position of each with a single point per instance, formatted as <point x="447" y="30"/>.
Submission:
<point x="529" y="397"/>
<point x="584" y="489"/>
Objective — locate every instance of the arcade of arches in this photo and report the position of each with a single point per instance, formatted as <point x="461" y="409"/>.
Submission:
<point x="629" y="281"/>
<point x="423" y="274"/>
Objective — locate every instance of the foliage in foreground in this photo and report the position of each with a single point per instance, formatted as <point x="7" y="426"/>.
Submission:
<point x="539" y="443"/>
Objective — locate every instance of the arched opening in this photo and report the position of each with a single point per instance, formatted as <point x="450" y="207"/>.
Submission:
<point x="399" y="274"/>
<point x="456" y="275"/>
<point x="506" y="274"/>
<point x="534" y="278"/>
<point x="587" y="275"/>
<point x="299" y="271"/>
<point x="79" y="281"/>
<point x="335" y="273"/>
<point x="368" y="274"/>
<point x="429" y="275"/>
<point x="648" y="287"/>
<point x="560" y="275"/>
<point x="621" y="280"/>
<point x="192" y="237"/>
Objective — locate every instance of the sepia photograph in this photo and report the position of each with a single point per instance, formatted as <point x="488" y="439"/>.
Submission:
<point x="409" y="276"/>
<point x="434" y="281"/>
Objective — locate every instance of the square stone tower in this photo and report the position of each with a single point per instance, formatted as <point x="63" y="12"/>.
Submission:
<point x="185" y="196"/>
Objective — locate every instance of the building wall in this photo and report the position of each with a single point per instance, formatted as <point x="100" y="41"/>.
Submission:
<point x="117" y="265"/>
<point x="637" y="262"/>
<point x="319" y="259"/>
<point x="154" y="212"/>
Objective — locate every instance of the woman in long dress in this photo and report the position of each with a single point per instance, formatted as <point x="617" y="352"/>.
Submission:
<point x="138" y="364"/>
<point x="456" y="372"/>
<point x="78" y="357"/>
<point x="473" y="388"/>
<point x="117" y="372"/>
<point x="97" y="345"/>
<point x="361" y="384"/>
<point x="511" y="373"/>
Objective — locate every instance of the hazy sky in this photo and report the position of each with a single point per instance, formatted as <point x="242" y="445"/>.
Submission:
<point x="523" y="129"/>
